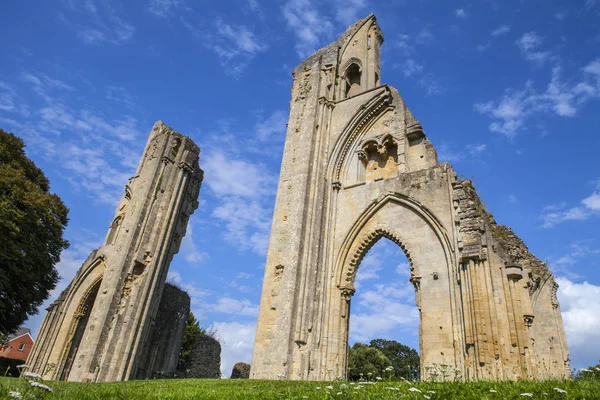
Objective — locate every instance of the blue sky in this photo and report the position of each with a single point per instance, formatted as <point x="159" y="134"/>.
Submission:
<point x="508" y="92"/>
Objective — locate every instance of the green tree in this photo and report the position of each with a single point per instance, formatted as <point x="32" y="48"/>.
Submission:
<point x="191" y="333"/>
<point x="366" y="362"/>
<point x="404" y="359"/>
<point x="32" y="221"/>
<point x="589" y="373"/>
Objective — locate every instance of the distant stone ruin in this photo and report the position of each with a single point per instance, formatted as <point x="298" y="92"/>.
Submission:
<point x="116" y="320"/>
<point x="357" y="167"/>
<point x="240" y="370"/>
<point x="204" y="360"/>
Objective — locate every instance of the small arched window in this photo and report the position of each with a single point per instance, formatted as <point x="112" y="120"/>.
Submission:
<point x="353" y="77"/>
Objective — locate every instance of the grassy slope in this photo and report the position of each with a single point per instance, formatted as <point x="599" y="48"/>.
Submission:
<point x="250" y="389"/>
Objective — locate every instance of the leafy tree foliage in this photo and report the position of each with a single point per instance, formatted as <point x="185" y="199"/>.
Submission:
<point x="376" y="358"/>
<point x="191" y="333"/>
<point x="404" y="359"/>
<point x="32" y="221"/>
<point x="365" y="362"/>
<point x="589" y="373"/>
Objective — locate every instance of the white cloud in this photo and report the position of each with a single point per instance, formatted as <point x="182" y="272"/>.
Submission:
<point x="411" y="67"/>
<point x="475" y="149"/>
<point x="555" y="214"/>
<point x="308" y="25"/>
<point x="235" y="45"/>
<point x="165" y="8"/>
<point x="512" y="199"/>
<point x="228" y="305"/>
<point x="188" y="247"/>
<point x="347" y="11"/>
<point x="425" y="36"/>
<point x="529" y="45"/>
<point x="273" y="126"/>
<point x="580" y="307"/>
<point x="510" y="112"/>
<point x="97" y="25"/>
<point x="461" y="13"/>
<point x="383" y="311"/>
<point x="237" y="342"/>
<point x="501" y="30"/>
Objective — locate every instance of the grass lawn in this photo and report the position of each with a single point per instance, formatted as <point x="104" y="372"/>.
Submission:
<point x="251" y="389"/>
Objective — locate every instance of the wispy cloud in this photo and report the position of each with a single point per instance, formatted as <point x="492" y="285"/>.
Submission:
<point x="165" y="8"/>
<point x="530" y="44"/>
<point x="237" y="342"/>
<point x="588" y="207"/>
<point x="461" y="13"/>
<point x="580" y="309"/>
<point x="501" y="30"/>
<point x="83" y="138"/>
<point x="308" y="24"/>
<point x="97" y="25"/>
<point x="509" y="113"/>
<point x="245" y="188"/>
<point x="347" y="11"/>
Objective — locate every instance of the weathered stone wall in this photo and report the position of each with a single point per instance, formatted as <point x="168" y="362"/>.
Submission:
<point x="127" y="272"/>
<point x="161" y="354"/>
<point x="205" y="359"/>
<point x="357" y="166"/>
<point x="240" y="370"/>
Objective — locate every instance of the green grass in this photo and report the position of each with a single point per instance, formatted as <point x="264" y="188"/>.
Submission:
<point x="251" y="389"/>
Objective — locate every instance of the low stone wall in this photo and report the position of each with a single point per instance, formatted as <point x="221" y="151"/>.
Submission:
<point x="240" y="370"/>
<point x="205" y="359"/>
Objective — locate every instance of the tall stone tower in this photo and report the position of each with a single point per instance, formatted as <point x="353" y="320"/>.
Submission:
<point x="357" y="166"/>
<point x="103" y="324"/>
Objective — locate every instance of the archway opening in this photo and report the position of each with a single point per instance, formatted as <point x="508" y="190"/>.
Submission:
<point x="384" y="317"/>
<point x="353" y="78"/>
<point x="80" y="321"/>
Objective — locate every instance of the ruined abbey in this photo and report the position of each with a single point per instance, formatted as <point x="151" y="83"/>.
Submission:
<point x="357" y="166"/>
<point x="117" y="320"/>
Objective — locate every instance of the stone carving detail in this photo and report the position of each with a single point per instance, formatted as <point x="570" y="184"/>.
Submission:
<point x="476" y="284"/>
<point x="109" y="339"/>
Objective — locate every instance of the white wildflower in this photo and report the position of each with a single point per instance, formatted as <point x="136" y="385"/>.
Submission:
<point x="493" y="391"/>
<point x="318" y="387"/>
<point x="339" y="393"/>
<point x="378" y="378"/>
<point x="32" y="375"/>
<point x="559" y="390"/>
<point x="414" y="389"/>
<point x="597" y="369"/>
<point x="584" y="370"/>
<point x="527" y="394"/>
<point x="426" y="397"/>
<point x="328" y="387"/>
<point x="305" y="397"/>
<point x="40" y="385"/>
<point x="15" y="395"/>
<point x="343" y="386"/>
<point x="431" y="391"/>
<point x="392" y="388"/>
<point x="370" y="373"/>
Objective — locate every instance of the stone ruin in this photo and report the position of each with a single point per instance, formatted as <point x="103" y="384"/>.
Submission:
<point x="205" y="359"/>
<point x="357" y="166"/>
<point x="117" y="320"/>
<point x="240" y="370"/>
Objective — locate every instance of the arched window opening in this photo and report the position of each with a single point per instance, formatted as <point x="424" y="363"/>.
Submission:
<point x="379" y="160"/>
<point x="353" y="78"/>
<point x="384" y="321"/>
<point x="80" y="321"/>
